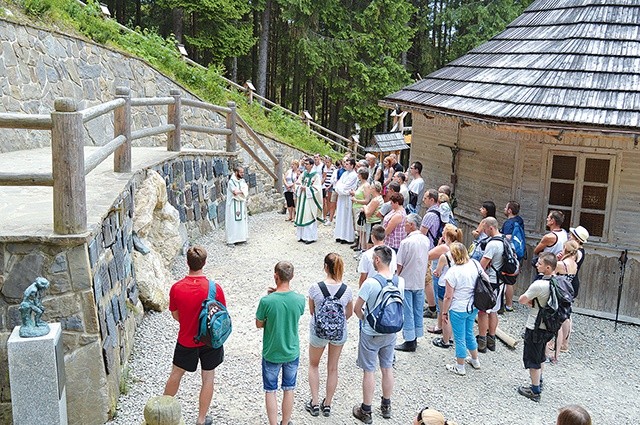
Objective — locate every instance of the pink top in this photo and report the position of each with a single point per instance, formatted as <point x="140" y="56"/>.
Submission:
<point x="394" y="238"/>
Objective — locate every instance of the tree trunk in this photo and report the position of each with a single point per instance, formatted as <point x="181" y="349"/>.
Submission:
<point x="138" y="13"/>
<point x="234" y="69"/>
<point x="263" y="52"/>
<point x="177" y="24"/>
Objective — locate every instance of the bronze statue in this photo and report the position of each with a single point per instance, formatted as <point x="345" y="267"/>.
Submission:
<point x="31" y="310"/>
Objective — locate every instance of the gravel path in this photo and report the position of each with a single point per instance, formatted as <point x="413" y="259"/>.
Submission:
<point x="600" y="373"/>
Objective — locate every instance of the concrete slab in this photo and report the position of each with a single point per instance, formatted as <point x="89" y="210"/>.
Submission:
<point x="26" y="212"/>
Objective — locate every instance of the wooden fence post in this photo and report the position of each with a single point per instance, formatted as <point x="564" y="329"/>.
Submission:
<point x="122" y="127"/>
<point x="231" y="125"/>
<point x="174" y="144"/>
<point x="67" y="165"/>
<point x="278" y="171"/>
<point x="250" y="89"/>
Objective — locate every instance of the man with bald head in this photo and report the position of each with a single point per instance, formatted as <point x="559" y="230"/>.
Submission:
<point x="492" y="262"/>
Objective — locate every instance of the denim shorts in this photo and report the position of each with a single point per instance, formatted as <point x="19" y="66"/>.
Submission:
<point x="314" y="341"/>
<point x="441" y="291"/>
<point x="270" y="372"/>
<point x="372" y="348"/>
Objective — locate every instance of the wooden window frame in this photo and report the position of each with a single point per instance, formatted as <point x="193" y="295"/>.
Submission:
<point x="579" y="183"/>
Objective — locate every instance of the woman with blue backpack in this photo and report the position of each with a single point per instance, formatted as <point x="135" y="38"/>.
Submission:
<point x="330" y="305"/>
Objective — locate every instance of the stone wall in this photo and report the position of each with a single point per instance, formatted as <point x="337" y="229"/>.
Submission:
<point x="93" y="292"/>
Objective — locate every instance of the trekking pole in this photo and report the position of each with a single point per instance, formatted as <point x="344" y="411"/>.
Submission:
<point x="623" y="266"/>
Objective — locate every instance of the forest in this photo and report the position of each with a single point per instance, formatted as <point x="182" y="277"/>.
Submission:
<point x="333" y="58"/>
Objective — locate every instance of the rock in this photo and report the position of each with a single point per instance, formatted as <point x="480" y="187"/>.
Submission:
<point x="163" y="410"/>
<point x="152" y="279"/>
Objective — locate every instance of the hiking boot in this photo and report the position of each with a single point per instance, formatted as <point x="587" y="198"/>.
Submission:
<point x="491" y="342"/>
<point x="386" y="410"/>
<point x="482" y="343"/>
<point x="408" y="346"/>
<point x="429" y="314"/>
<point x="360" y="414"/>
<point x="526" y="391"/>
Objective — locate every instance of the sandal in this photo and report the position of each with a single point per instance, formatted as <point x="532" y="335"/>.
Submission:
<point x="326" y="410"/>
<point x="439" y="342"/>
<point x="434" y="330"/>
<point x="313" y="409"/>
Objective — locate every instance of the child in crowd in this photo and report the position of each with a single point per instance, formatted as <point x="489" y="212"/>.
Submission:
<point x="278" y="314"/>
<point x="445" y="208"/>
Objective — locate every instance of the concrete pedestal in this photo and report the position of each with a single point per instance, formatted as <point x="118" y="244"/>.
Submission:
<point x="37" y="378"/>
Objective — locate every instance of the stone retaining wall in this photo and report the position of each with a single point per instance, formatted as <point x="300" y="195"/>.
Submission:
<point x="93" y="292"/>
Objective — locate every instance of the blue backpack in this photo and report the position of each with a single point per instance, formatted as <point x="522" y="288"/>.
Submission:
<point x="518" y="240"/>
<point x="386" y="316"/>
<point x="214" y="320"/>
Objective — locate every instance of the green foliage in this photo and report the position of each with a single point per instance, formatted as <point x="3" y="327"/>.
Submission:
<point x="37" y="8"/>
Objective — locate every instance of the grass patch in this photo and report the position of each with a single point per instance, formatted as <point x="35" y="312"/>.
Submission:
<point x="68" y="15"/>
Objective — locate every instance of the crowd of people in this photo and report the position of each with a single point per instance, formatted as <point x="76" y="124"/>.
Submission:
<point x="419" y="260"/>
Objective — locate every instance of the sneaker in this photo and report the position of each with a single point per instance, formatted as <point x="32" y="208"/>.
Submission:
<point x="526" y="391"/>
<point x="313" y="409"/>
<point x="326" y="410"/>
<point x="386" y="411"/>
<point x="360" y="414"/>
<point x="508" y="308"/>
<point x="328" y="223"/>
<point x="473" y="363"/>
<point x="439" y="342"/>
<point x="207" y="421"/>
<point x="454" y="369"/>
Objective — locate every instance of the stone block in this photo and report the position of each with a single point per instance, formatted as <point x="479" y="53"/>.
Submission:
<point x="37" y="374"/>
<point x="197" y="211"/>
<point x="190" y="215"/>
<point x="113" y="274"/>
<point x="221" y="212"/>
<point x="80" y="267"/>
<point x="188" y="170"/>
<point x="58" y="307"/>
<point x="60" y="284"/>
<point x="1" y="259"/>
<point x="196" y="169"/>
<point x="93" y="253"/>
<point x="90" y="313"/>
<point x="87" y="394"/>
<point x="108" y="236"/>
<point x="72" y="323"/>
<point x="213" y="210"/>
<point x="21" y="271"/>
<point x="115" y="309"/>
<point x="209" y="168"/>
<point x="195" y="192"/>
<point x="188" y="196"/>
<point x="182" y="212"/>
<point x="102" y="317"/>
<point x="218" y="167"/>
<point x="13" y="317"/>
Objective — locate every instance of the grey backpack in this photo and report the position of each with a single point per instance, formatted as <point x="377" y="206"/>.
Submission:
<point x="330" y="318"/>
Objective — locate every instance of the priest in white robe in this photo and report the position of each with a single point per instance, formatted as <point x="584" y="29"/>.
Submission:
<point x="348" y="182"/>
<point x="236" y="224"/>
<point x="309" y="203"/>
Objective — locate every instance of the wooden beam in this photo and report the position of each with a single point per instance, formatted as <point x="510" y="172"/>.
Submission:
<point x="256" y="158"/>
<point x="24" y="121"/>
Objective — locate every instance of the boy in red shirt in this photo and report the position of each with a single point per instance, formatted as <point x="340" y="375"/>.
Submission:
<point x="185" y="302"/>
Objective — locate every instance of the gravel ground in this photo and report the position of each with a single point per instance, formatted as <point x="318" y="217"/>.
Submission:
<point x="600" y="372"/>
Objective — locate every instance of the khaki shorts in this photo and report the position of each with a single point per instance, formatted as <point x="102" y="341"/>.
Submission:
<point x="334" y="196"/>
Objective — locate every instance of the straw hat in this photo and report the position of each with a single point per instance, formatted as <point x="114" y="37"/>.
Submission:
<point x="580" y="233"/>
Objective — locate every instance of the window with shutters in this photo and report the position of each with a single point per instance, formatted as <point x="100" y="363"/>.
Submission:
<point x="580" y="186"/>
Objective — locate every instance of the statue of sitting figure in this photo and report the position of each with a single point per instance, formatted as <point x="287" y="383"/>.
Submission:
<point x="31" y="310"/>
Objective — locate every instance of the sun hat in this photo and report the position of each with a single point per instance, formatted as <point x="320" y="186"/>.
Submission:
<point x="429" y="416"/>
<point x="580" y="233"/>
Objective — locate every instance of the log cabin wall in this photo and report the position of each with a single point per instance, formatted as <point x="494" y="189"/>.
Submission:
<point x="501" y="163"/>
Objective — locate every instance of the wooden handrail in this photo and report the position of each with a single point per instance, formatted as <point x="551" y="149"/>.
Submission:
<point x="204" y="105"/>
<point x="25" y="179"/>
<point x="256" y="158"/>
<point x="101" y="109"/>
<point x="152" y="101"/>
<point x="25" y="121"/>
<point x="152" y="131"/>
<point x="207" y="130"/>
<point x="255" y="138"/>
<point x="102" y="153"/>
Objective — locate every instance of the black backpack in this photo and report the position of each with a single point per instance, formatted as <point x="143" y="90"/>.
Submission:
<point x="510" y="269"/>
<point x="435" y="238"/>
<point x="330" y="319"/>
<point x="558" y="308"/>
<point x="484" y="298"/>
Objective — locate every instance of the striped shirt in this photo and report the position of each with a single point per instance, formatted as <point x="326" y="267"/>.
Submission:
<point x="327" y="179"/>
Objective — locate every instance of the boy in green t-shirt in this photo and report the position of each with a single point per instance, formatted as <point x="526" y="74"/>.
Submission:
<point x="278" y="314"/>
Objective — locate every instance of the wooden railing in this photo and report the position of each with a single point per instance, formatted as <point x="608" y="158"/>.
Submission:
<point x="69" y="167"/>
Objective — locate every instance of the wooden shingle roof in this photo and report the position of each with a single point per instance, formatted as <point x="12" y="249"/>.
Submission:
<point x="388" y="142"/>
<point x="575" y="62"/>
